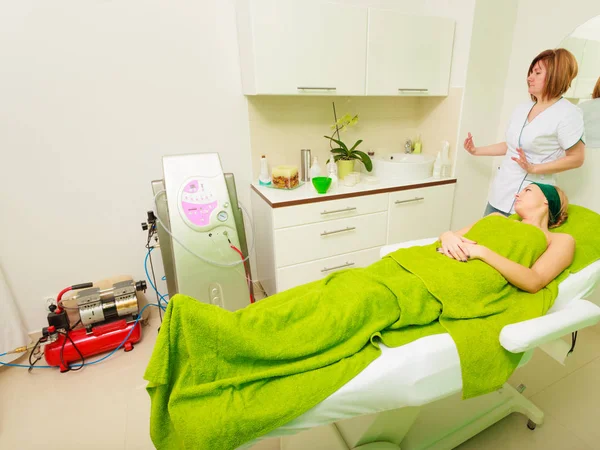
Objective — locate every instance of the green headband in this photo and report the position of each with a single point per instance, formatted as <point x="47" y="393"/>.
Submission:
<point x="553" y="198"/>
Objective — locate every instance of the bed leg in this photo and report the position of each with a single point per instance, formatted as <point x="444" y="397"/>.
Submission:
<point x="523" y="405"/>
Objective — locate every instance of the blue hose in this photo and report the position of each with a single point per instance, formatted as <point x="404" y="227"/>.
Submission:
<point x="162" y="298"/>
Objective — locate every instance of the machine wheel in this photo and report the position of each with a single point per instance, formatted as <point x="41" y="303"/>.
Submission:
<point x="128" y="346"/>
<point x="531" y="425"/>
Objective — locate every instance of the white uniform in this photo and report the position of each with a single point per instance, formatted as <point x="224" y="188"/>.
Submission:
<point x="544" y="139"/>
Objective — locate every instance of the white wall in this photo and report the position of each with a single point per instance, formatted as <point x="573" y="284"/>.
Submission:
<point x="92" y="95"/>
<point x="482" y="104"/>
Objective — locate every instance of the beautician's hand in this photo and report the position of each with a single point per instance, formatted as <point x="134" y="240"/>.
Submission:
<point x="522" y="161"/>
<point x="469" y="146"/>
<point x="453" y="245"/>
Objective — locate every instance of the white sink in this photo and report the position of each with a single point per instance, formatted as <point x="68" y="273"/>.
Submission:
<point x="403" y="166"/>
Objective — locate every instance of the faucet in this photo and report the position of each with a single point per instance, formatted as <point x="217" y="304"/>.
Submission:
<point x="408" y="146"/>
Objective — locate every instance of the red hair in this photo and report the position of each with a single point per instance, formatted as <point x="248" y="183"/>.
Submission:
<point x="561" y="69"/>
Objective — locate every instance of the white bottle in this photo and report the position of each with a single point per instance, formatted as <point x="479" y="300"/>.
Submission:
<point x="445" y="159"/>
<point x="437" y="166"/>
<point x="264" y="179"/>
<point x="332" y="173"/>
<point x="315" y="169"/>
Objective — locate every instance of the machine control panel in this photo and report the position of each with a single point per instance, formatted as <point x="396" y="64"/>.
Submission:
<point x="197" y="203"/>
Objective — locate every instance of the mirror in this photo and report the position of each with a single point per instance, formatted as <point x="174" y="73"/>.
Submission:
<point x="584" y="43"/>
<point x="583" y="184"/>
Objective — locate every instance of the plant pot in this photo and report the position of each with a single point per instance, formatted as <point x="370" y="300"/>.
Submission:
<point x="344" y="168"/>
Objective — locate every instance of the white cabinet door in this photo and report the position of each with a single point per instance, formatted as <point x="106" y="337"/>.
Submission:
<point x="420" y="213"/>
<point x="308" y="47"/>
<point x="295" y="245"/>
<point x="298" y="274"/>
<point x="408" y="55"/>
<point x="323" y="211"/>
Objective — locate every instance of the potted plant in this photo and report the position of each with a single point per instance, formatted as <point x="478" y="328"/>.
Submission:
<point x="343" y="155"/>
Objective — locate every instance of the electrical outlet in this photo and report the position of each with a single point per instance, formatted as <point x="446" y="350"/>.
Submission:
<point x="49" y="301"/>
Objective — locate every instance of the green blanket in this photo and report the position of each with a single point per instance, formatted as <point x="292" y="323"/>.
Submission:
<point x="218" y="379"/>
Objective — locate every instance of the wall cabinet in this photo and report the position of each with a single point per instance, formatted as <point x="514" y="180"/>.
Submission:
<point x="313" y="47"/>
<point x="302" y="48"/>
<point x="408" y="55"/>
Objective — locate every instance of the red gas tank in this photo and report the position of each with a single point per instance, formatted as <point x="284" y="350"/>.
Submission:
<point x="102" y="338"/>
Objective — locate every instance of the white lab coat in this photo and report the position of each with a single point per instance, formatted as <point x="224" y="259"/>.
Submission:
<point x="544" y="139"/>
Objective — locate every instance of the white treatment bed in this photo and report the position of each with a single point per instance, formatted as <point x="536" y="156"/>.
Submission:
<point x="410" y="397"/>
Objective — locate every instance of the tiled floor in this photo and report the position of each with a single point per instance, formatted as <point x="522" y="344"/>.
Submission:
<point x="106" y="406"/>
<point x="569" y="396"/>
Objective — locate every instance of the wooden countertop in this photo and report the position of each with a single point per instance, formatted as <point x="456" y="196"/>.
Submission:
<point x="279" y="198"/>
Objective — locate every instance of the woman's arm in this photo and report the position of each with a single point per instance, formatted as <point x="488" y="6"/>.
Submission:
<point x="573" y="158"/>
<point x="499" y="149"/>
<point x="557" y="257"/>
<point x="452" y="242"/>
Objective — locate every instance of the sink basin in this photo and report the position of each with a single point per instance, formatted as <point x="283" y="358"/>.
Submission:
<point x="403" y="166"/>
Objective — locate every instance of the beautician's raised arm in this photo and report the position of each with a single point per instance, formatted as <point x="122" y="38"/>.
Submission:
<point x="573" y="158"/>
<point x="498" y="149"/>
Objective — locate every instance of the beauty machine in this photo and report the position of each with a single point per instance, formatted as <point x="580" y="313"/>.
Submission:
<point x="201" y="231"/>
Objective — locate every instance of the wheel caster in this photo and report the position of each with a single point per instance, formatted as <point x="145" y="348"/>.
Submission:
<point x="531" y="425"/>
<point x="128" y="346"/>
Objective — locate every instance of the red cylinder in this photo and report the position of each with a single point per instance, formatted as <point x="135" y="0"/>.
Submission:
<point x="102" y="338"/>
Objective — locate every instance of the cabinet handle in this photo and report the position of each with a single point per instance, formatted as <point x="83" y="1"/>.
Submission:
<point x="416" y="199"/>
<point x="327" y="233"/>
<point x="327" y="269"/>
<point x="315" y="88"/>
<point x="339" y="210"/>
<point x="413" y="89"/>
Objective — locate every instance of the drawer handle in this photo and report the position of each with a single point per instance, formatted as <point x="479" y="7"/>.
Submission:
<point x="339" y="210"/>
<point x="416" y="199"/>
<point x="327" y="269"/>
<point x="315" y="88"/>
<point x="328" y="233"/>
<point x="413" y="90"/>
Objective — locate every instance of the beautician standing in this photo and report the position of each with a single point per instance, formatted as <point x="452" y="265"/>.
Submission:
<point x="544" y="136"/>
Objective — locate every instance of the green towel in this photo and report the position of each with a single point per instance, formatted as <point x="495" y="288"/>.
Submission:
<point x="218" y="379"/>
<point x="584" y="225"/>
<point x="477" y="301"/>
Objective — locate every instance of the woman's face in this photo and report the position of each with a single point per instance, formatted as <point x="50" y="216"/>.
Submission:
<point x="537" y="80"/>
<point x="530" y="199"/>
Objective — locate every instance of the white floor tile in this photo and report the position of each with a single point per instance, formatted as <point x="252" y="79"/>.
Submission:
<point x="575" y="402"/>
<point x="512" y="433"/>
<point x="543" y="371"/>
<point x="106" y="406"/>
<point x="103" y="406"/>
<point x="267" y="444"/>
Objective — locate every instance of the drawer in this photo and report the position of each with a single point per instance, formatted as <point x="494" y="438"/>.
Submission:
<point x="290" y="216"/>
<point x="420" y="213"/>
<point x="292" y="276"/>
<point x="305" y="243"/>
